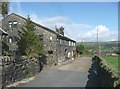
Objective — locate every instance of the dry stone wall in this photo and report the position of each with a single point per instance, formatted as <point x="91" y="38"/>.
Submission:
<point x="107" y="77"/>
<point x="17" y="69"/>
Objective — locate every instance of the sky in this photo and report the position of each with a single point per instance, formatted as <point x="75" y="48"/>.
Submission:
<point x="80" y="20"/>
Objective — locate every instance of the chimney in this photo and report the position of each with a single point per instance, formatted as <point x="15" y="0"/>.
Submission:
<point x="62" y="30"/>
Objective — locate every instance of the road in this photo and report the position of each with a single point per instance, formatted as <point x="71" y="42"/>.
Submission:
<point x="77" y="73"/>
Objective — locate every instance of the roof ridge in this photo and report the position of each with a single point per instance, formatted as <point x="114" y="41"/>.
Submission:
<point x="48" y="29"/>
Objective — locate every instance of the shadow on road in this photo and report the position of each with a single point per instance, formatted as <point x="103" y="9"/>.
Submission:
<point x="92" y="78"/>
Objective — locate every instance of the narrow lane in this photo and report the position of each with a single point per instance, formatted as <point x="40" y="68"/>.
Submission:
<point x="74" y="74"/>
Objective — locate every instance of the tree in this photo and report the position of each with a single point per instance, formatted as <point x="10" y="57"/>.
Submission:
<point x="29" y="43"/>
<point x="4" y="9"/>
<point x="80" y="48"/>
<point x="4" y="6"/>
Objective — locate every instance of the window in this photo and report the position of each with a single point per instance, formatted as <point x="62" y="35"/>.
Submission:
<point x="14" y="39"/>
<point x="10" y="24"/>
<point x="63" y="42"/>
<point x="57" y="40"/>
<point x="51" y="38"/>
<point x="60" y="41"/>
<point x="74" y="44"/>
<point x="10" y="40"/>
<point x="69" y="43"/>
<point x="14" y="24"/>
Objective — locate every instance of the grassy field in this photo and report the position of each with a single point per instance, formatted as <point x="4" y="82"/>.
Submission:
<point x="113" y="62"/>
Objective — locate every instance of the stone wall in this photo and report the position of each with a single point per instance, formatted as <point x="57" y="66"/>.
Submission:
<point x="17" y="69"/>
<point x="0" y="47"/>
<point x="107" y="77"/>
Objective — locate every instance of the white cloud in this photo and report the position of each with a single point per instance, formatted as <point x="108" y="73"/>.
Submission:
<point x="104" y="34"/>
<point x="49" y="22"/>
<point x="76" y="31"/>
<point x="71" y="28"/>
<point x="54" y="20"/>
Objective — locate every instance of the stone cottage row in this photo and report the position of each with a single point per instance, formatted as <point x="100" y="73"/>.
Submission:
<point x="57" y="46"/>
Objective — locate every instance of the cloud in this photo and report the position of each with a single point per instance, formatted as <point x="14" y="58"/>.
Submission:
<point x="54" y="20"/>
<point x="49" y="22"/>
<point x="71" y="28"/>
<point x="104" y="34"/>
<point x="76" y="31"/>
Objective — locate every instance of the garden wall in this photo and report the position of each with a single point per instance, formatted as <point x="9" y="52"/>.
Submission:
<point x="17" y="69"/>
<point x="106" y="76"/>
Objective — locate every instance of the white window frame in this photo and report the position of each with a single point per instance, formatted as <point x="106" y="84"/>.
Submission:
<point x="69" y="43"/>
<point x="15" y="23"/>
<point x="74" y="44"/>
<point x="51" y="38"/>
<point x="10" y="40"/>
<point x="10" y="24"/>
<point x="60" y="41"/>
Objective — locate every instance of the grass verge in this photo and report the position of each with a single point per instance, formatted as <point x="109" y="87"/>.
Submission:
<point x="113" y="62"/>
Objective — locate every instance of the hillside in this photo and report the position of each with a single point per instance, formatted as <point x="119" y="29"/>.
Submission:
<point x="104" y="46"/>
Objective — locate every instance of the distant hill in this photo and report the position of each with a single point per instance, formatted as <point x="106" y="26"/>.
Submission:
<point x="104" y="46"/>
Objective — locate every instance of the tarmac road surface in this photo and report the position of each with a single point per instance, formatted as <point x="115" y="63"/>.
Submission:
<point x="74" y="74"/>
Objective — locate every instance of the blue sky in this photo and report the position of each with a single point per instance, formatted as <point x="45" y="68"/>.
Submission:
<point x="80" y="19"/>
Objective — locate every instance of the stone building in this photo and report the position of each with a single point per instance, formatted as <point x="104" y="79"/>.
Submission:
<point x="65" y="46"/>
<point x="56" y="45"/>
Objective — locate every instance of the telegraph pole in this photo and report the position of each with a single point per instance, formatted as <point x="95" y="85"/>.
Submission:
<point x="97" y="43"/>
